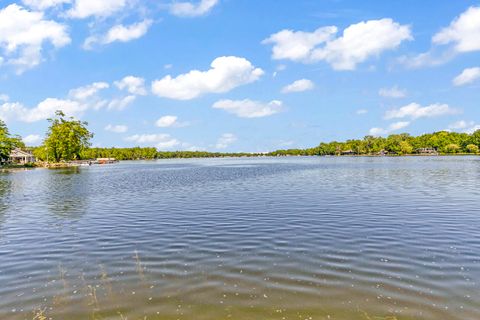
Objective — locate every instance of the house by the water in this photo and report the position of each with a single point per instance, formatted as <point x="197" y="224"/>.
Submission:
<point x="19" y="156"/>
<point x="427" y="151"/>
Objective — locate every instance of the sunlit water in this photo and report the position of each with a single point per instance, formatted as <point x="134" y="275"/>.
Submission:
<point x="258" y="238"/>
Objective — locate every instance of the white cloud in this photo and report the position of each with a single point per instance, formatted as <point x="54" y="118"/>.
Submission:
<point x="461" y="35"/>
<point x="464" y="126"/>
<point x="133" y="85"/>
<point x="119" y="33"/>
<point x="86" y="92"/>
<point x="226" y="73"/>
<point x="225" y="140"/>
<point x="161" y="140"/>
<point x="392" y="127"/>
<point x="42" y="111"/>
<point x="394" y="92"/>
<point x="23" y="34"/>
<point x="79" y="100"/>
<point x="188" y="9"/>
<point x="467" y="76"/>
<point x="120" y="103"/>
<point x="4" y="97"/>
<point x="358" y="43"/>
<point x="100" y="9"/>
<point x="299" y="86"/>
<point x="463" y="32"/>
<point x="166" y="121"/>
<point x="32" y="139"/>
<point x="44" y="4"/>
<point x="298" y="45"/>
<point x="248" y="108"/>
<point x="116" y="128"/>
<point x="430" y="58"/>
<point x="362" y="111"/>
<point x="415" y="111"/>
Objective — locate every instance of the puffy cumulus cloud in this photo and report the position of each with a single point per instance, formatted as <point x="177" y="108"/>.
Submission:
<point x="463" y="32"/>
<point x="166" y="121"/>
<point x="460" y="36"/>
<point x="44" y="4"/>
<point x="467" y="76"/>
<point x="78" y="101"/>
<point x="249" y="108"/>
<point x="42" y="111"/>
<point x="393" y="92"/>
<point x="134" y="85"/>
<point x="358" y="43"/>
<point x="416" y="111"/>
<point x="299" y="86"/>
<point x="32" y="139"/>
<point x="188" y="9"/>
<point x="298" y="45"/>
<point x="23" y="35"/>
<point x="119" y="33"/>
<point x="225" y="140"/>
<point x="119" y="128"/>
<point x="226" y="73"/>
<point x="86" y="92"/>
<point x="391" y="128"/>
<point x="121" y="103"/>
<point x="87" y="8"/>
<point x="160" y="140"/>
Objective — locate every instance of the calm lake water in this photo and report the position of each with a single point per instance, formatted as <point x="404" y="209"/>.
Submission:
<point x="258" y="238"/>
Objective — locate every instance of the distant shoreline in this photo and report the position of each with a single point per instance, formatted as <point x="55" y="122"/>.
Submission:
<point x="64" y="165"/>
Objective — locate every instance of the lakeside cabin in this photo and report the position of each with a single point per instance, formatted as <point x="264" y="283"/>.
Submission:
<point x="106" y="160"/>
<point x="19" y="156"/>
<point x="427" y="151"/>
<point x="348" y="153"/>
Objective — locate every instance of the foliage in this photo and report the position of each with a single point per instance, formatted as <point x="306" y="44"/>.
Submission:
<point x="8" y="142"/>
<point x="66" y="139"/>
<point x="398" y="144"/>
<point x="471" y="148"/>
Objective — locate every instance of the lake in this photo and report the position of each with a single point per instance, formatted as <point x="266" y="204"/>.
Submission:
<point x="243" y="238"/>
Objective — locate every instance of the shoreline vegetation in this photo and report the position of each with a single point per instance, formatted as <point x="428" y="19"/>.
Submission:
<point x="437" y="143"/>
<point x="67" y="144"/>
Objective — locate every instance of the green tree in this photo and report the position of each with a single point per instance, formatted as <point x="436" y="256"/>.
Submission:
<point x="452" y="148"/>
<point x="471" y="148"/>
<point x="8" y="142"/>
<point x="66" y="138"/>
<point x="405" y="147"/>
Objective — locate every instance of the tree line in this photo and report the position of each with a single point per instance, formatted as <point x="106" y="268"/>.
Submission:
<point x="442" y="142"/>
<point x="69" y="139"/>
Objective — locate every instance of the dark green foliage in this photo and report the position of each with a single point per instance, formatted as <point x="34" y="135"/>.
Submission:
<point x="8" y="142"/>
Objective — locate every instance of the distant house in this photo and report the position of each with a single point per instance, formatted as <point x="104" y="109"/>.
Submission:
<point x="382" y="153"/>
<point x="19" y="156"/>
<point x="427" y="151"/>
<point x="348" y="153"/>
<point x="106" y="160"/>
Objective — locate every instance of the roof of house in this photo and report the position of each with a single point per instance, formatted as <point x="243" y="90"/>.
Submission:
<point x="18" y="153"/>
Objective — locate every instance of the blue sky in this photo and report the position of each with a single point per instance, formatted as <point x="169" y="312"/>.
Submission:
<point x="239" y="75"/>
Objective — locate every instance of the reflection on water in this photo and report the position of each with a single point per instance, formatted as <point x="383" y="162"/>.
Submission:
<point x="290" y="238"/>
